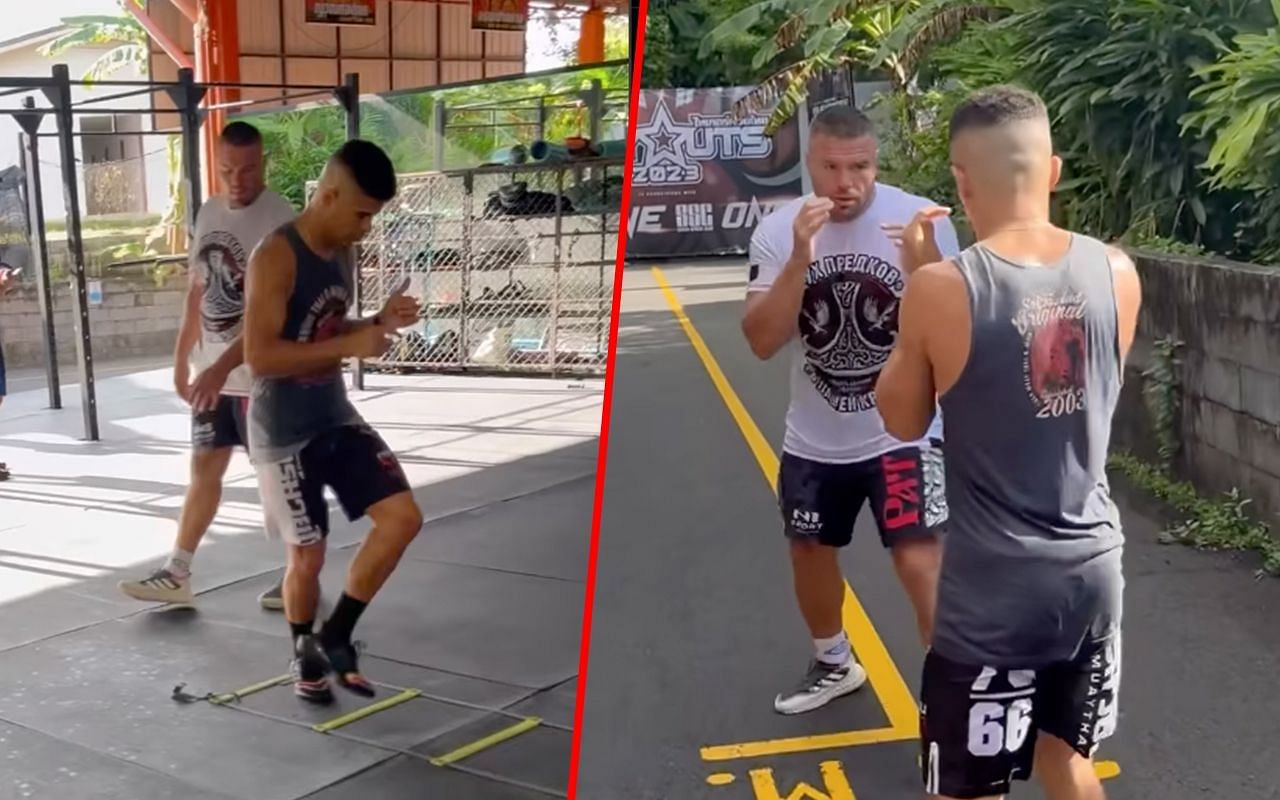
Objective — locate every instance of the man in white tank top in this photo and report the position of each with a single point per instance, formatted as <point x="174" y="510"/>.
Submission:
<point x="228" y="228"/>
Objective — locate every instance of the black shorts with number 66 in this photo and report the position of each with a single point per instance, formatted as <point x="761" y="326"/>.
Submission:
<point x="979" y="725"/>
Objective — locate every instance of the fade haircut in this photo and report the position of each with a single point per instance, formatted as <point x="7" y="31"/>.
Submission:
<point x="241" y="134"/>
<point x="369" y="167"/>
<point x="842" y="122"/>
<point x="996" y="106"/>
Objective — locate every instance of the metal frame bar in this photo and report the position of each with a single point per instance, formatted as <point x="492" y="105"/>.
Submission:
<point x="349" y="97"/>
<point x="60" y="95"/>
<point x="29" y="150"/>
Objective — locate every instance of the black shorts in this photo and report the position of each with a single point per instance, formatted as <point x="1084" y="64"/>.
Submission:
<point x="906" y="488"/>
<point x="223" y="426"/>
<point x="978" y="725"/>
<point x="352" y="460"/>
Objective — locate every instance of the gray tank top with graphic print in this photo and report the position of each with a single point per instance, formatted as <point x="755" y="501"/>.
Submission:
<point x="285" y="413"/>
<point x="1032" y="563"/>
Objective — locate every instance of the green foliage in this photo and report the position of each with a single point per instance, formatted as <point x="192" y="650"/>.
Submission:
<point x="1162" y="391"/>
<point x="675" y="51"/>
<point x="1219" y="523"/>
<point x="1240" y="115"/>
<point x="96" y="30"/>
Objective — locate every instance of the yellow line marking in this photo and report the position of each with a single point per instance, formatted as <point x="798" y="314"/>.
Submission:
<point x="229" y="697"/>
<point x="366" y="711"/>
<point x="721" y="778"/>
<point x="885" y="679"/>
<point x="527" y="724"/>
<point x="1106" y="769"/>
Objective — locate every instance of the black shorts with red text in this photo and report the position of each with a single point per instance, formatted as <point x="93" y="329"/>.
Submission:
<point x="979" y="724"/>
<point x="905" y="487"/>
<point x="352" y="460"/>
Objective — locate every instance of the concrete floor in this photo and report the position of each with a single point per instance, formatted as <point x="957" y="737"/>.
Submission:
<point x="695" y="627"/>
<point x="483" y="615"/>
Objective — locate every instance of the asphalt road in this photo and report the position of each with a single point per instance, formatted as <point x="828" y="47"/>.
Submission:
<point x="695" y="627"/>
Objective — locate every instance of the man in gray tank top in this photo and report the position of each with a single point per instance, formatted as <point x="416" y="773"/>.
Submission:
<point x="304" y="432"/>
<point x="1021" y="341"/>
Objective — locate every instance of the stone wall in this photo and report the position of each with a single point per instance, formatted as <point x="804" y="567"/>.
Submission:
<point x="1227" y="317"/>
<point x="137" y="319"/>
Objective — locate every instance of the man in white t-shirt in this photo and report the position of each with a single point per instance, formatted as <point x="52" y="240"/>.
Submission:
<point x="825" y="283"/>
<point x="228" y="229"/>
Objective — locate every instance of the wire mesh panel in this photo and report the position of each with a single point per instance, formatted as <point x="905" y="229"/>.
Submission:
<point x="514" y="266"/>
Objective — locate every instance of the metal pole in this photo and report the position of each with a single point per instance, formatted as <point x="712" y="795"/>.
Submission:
<point x="60" y="96"/>
<point x="350" y="96"/>
<point x="187" y="97"/>
<point x="439" y="119"/>
<point x="29" y="148"/>
<point x="595" y="107"/>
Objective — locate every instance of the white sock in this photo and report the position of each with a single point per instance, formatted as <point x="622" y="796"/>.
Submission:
<point x="835" y="650"/>
<point x="179" y="563"/>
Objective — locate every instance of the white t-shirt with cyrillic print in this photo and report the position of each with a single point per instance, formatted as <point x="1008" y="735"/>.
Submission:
<point x="848" y="324"/>
<point x="224" y="239"/>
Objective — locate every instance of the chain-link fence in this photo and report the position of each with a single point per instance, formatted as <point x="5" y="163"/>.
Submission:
<point x="514" y="267"/>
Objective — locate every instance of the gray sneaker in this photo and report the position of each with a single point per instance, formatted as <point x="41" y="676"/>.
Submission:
<point x="822" y="684"/>
<point x="273" y="598"/>
<point x="162" y="586"/>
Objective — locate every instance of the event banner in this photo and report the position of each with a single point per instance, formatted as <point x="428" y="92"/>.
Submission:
<point x="702" y="181"/>
<point x="342" y="12"/>
<point x="499" y="15"/>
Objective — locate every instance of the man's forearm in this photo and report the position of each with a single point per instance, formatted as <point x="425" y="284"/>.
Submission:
<point x="282" y="358"/>
<point x="232" y="357"/>
<point x="772" y="321"/>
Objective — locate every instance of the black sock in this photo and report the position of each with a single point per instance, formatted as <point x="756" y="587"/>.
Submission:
<point x="343" y="620"/>
<point x="301" y="628"/>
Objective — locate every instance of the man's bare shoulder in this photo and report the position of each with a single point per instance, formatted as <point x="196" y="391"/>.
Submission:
<point x="939" y="277"/>
<point x="1120" y="260"/>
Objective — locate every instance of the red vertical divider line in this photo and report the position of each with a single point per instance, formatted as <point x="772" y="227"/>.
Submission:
<point x="584" y="652"/>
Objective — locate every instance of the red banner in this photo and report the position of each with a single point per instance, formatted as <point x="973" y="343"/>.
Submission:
<point x="499" y="15"/>
<point x="342" y="12"/>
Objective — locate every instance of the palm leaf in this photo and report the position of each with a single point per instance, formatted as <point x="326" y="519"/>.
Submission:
<point x="941" y="27"/>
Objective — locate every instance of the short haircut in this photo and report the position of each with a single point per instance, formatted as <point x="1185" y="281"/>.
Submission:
<point x="842" y="122"/>
<point x="995" y="106"/>
<point x="241" y="134"/>
<point x="370" y="167"/>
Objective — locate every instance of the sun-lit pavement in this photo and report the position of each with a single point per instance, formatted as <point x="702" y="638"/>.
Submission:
<point x="485" y="609"/>
<point x="695" y="626"/>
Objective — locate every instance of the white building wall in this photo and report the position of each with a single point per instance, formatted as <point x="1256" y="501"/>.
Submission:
<point x="26" y="61"/>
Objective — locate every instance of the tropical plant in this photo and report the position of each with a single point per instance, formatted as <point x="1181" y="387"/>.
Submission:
<point x="124" y="33"/>
<point x="812" y="38"/>
<point x="1240" y="116"/>
<point x="674" y="31"/>
<point x="1117" y="78"/>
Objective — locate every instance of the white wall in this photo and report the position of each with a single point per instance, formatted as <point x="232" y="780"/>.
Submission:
<point x="28" y="62"/>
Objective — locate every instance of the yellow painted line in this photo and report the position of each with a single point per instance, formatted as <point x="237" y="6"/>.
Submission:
<point x="527" y="724"/>
<point x="721" y="778"/>
<point x="229" y="697"/>
<point x="366" y="711"/>
<point x="1106" y="769"/>
<point x="802" y="744"/>
<point x="883" y="675"/>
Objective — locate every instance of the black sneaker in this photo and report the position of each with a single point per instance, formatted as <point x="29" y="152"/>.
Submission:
<point x="310" y="671"/>
<point x="821" y="684"/>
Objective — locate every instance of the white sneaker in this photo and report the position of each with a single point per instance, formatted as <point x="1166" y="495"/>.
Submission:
<point x="273" y="598"/>
<point x="821" y="684"/>
<point x="162" y="586"/>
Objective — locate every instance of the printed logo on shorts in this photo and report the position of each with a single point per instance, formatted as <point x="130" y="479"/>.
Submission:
<point x="291" y="477"/>
<point x="1054" y="348"/>
<point x="803" y="521"/>
<point x="848" y="325"/>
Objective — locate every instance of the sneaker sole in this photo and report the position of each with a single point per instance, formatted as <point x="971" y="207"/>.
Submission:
<point x="853" y="683"/>
<point x="317" y="692"/>
<point x="157" y="597"/>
